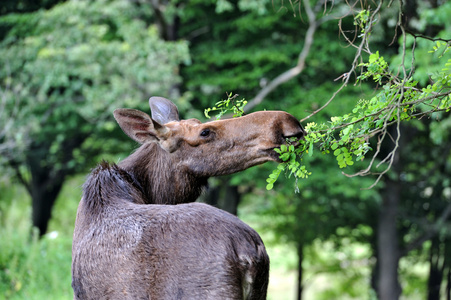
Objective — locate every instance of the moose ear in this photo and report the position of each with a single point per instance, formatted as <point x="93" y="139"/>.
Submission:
<point x="163" y="110"/>
<point x="139" y="126"/>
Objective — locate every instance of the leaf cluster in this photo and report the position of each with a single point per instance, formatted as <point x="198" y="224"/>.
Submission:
<point x="347" y="136"/>
<point x="236" y="107"/>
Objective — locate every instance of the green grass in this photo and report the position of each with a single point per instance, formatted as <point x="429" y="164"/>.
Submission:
<point x="32" y="268"/>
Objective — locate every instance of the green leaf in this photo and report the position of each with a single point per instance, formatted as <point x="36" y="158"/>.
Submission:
<point x="285" y="156"/>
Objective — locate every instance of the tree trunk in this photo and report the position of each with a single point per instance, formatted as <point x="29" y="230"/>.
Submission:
<point x="231" y="199"/>
<point x="435" y="270"/>
<point x="43" y="197"/>
<point x="300" y="286"/>
<point x="224" y="196"/>
<point x="388" y="248"/>
<point x="375" y="270"/>
<point x="448" y="285"/>
<point x="44" y="188"/>
<point x="447" y="267"/>
<point x="46" y="178"/>
<point x="388" y="245"/>
<point x="388" y="241"/>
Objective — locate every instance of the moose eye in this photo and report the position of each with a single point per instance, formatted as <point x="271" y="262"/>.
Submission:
<point x="205" y="132"/>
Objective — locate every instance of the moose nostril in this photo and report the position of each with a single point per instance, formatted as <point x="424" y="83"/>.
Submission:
<point x="299" y="134"/>
<point x="294" y="137"/>
<point x="291" y="130"/>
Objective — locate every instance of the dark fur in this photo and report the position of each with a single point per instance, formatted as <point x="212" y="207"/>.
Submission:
<point x="174" y="185"/>
<point x="125" y="249"/>
<point x="130" y="244"/>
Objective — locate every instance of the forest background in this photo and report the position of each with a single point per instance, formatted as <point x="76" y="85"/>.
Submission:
<point x="369" y="79"/>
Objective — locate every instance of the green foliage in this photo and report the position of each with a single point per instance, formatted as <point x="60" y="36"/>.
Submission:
<point x="397" y="101"/>
<point x="66" y="69"/>
<point x="272" y="37"/>
<point x="237" y="107"/>
<point x="326" y="216"/>
<point x="361" y="20"/>
<point x="292" y="162"/>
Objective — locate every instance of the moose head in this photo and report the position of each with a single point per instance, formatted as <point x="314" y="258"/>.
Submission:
<point x="181" y="148"/>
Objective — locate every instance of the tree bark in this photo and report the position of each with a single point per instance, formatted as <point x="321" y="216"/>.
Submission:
<point x="43" y="198"/>
<point x="47" y="179"/>
<point x="300" y="286"/>
<point x="388" y="245"/>
<point x="224" y="196"/>
<point x="232" y="199"/>
<point x="436" y="269"/>
<point x="168" y="28"/>
<point x="44" y="187"/>
<point x="388" y="248"/>
<point x="448" y="284"/>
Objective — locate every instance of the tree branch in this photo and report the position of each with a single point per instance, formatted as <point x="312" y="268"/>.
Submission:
<point x="416" y="35"/>
<point x="346" y="77"/>
<point x="15" y="166"/>
<point x="296" y="70"/>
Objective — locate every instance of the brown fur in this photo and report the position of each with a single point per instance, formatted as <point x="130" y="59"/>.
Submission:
<point x="129" y="244"/>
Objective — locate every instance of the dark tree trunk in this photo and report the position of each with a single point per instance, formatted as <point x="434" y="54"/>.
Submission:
<point x="167" y="27"/>
<point x="375" y="270"/>
<point x="447" y="268"/>
<point x="435" y="270"/>
<point x="47" y="179"/>
<point x="231" y="200"/>
<point x="43" y="198"/>
<point x="44" y="188"/>
<point x="448" y="284"/>
<point x="224" y="196"/>
<point x="212" y="196"/>
<point x="300" y="286"/>
<point x="388" y="245"/>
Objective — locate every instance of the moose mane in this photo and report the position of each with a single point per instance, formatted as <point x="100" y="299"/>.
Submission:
<point x="163" y="179"/>
<point x="108" y="184"/>
<point x="148" y="176"/>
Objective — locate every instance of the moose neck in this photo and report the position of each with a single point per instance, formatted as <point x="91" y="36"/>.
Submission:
<point x="163" y="180"/>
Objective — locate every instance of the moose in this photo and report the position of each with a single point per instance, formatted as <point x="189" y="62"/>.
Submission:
<point x="138" y="232"/>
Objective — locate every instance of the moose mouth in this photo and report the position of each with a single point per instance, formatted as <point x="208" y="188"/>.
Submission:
<point x="294" y="139"/>
<point x="288" y="140"/>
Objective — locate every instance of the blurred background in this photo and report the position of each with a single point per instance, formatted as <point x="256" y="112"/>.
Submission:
<point x="66" y="65"/>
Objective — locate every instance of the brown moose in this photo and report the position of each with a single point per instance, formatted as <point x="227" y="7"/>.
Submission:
<point x="124" y="248"/>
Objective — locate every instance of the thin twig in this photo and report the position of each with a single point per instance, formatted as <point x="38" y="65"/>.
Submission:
<point x="363" y="44"/>
<point x="416" y="35"/>
<point x="392" y="154"/>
